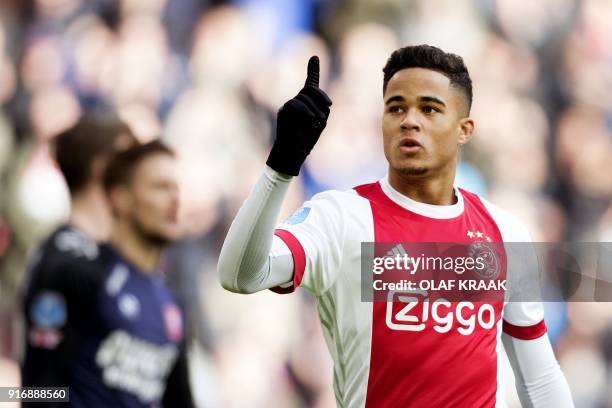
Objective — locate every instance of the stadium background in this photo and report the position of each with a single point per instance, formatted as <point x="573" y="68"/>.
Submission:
<point x="209" y="77"/>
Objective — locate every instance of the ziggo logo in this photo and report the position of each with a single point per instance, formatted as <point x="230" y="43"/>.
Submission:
<point x="443" y="313"/>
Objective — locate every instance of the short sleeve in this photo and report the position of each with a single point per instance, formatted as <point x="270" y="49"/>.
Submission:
<point x="315" y="236"/>
<point x="523" y="314"/>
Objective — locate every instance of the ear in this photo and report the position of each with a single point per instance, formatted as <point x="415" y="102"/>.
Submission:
<point x="120" y="200"/>
<point x="466" y="130"/>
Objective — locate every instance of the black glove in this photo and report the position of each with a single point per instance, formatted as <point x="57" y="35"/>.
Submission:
<point x="299" y="124"/>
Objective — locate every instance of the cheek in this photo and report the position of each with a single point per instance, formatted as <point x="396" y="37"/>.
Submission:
<point x="146" y="210"/>
<point x="446" y="137"/>
<point x="387" y="144"/>
<point x="159" y="207"/>
<point x="142" y="213"/>
<point x="387" y="131"/>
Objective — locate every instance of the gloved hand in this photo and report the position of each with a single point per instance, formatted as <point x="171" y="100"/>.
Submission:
<point x="299" y="124"/>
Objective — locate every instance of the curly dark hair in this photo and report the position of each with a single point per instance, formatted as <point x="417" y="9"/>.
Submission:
<point x="426" y="56"/>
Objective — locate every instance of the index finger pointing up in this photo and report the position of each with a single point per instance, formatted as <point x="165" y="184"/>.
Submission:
<point x="313" y="72"/>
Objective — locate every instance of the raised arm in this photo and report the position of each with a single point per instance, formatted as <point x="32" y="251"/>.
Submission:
<point x="252" y="259"/>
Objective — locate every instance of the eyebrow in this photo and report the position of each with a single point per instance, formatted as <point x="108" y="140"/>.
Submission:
<point x="395" y="98"/>
<point x="430" y="99"/>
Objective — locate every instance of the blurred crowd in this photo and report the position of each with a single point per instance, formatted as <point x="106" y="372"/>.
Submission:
<point x="208" y="77"/>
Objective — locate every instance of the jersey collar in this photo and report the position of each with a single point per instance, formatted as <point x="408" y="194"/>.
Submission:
<point x="426" y="210"/>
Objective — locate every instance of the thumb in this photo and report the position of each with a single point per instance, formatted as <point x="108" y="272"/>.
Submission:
<point x="313" y="72"/>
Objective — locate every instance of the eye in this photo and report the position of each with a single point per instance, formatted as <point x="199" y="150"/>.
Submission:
<point x="430" y="109"/>
<point x="395" y="109"/>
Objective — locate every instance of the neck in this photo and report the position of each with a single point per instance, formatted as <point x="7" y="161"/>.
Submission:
<point x="90" y="214"/>
<point x="428" y="190"/>
<point x="140" y="252"/>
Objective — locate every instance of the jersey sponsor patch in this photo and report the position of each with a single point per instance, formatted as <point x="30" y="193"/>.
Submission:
<point x="44" y="338"/>
<point x="298" y="216"/>
<point x="135" y="365"/>
<point x="48" y="314"/>
<point x="48" y="310"/>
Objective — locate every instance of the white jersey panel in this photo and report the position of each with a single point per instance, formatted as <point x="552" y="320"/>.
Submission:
<point x="331" y="235"/>
<point x="519" y="258"/>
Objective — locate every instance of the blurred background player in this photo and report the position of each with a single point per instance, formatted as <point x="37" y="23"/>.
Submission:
<point x="82" y="153"/>
<point x="384" y="354"/>
<point x="144" y="353"/>
<point x="121" y="328"/>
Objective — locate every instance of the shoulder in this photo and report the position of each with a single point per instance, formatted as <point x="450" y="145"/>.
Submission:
<point x="66" y="249"/>
<point x="336" y="203"/>
<point x="510" y="226"/>
<point x="333" y="211"/>
<point x="335" y="199"/>
<point x="341" y="196"/>
<point x="68" y="262"/>
<point x="71" y="244"/>
<point x="350" y="198"/>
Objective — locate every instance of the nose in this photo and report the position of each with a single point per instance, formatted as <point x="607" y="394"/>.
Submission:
<point x="410" y="121"/>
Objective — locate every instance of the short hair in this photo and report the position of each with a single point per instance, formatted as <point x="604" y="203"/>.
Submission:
<point x="121" y="167"/>
<point x="92" y="137"/>
<point x="428" y="57"/>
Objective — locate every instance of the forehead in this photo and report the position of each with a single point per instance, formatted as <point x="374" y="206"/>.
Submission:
<point x="419" y="82"/>
<point x="159" y="166"/>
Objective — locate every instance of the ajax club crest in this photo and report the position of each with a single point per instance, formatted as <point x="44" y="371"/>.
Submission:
<point x="488" y="253"/>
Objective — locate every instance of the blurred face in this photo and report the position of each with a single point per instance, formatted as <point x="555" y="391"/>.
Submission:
<point x="152" y="199"/>
<point x="424" y="123"/>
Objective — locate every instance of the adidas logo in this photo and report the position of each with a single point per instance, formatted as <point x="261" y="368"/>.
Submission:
<point x="397" y="250"/>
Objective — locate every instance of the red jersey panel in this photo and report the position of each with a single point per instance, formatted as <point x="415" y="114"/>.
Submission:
<point x="426" y="367"/>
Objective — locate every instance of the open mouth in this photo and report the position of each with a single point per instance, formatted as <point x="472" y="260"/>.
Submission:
<point x="410" y="145"/>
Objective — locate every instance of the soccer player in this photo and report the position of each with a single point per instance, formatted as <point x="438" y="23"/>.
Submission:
<point x="82" y="153"/>
<point x="127" y="344"/>
<point x="379" y="362"/>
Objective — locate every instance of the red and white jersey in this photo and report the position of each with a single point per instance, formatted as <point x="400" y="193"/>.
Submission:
<point x="376" y="362"/>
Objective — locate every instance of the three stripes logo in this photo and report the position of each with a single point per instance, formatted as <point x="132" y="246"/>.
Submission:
<point x="396" y="250"/>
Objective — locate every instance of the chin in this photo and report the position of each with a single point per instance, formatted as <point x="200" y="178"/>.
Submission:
<point x="412" y="170"/>
<point x="170" y="236"/>
<point x="162" y="238"/>
<point x="160" y="234"/>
